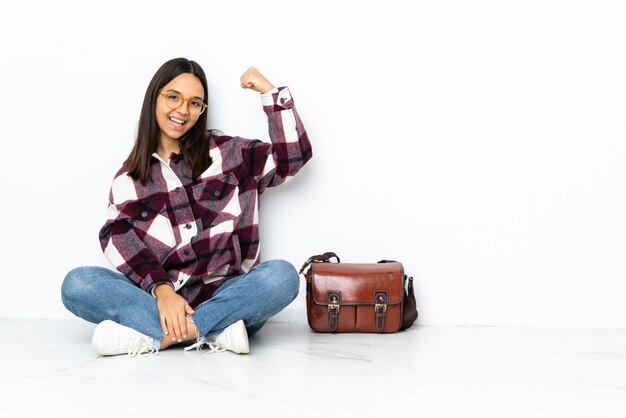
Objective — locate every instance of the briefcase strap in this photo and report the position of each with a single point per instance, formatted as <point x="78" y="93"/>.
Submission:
<point x="333" y="300"/>
<point x="380" y="308"/>
<point x="325" y="258"/>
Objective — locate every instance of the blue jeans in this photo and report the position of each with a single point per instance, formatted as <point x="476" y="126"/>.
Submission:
<point x="97" y="293"/>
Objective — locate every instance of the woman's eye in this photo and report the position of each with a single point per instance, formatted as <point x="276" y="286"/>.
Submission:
<point x="195" y="103"/>
<point x="173" y="98"/>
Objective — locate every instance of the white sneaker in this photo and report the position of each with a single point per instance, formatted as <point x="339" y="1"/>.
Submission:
<point x="234" y="338"/>
<point x="111" y="338"/>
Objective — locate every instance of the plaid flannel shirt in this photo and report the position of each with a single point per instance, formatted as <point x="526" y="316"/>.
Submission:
<point x="194" y="235"/>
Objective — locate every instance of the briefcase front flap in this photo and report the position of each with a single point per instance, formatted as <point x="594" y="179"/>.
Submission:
<point x="358" y="284"/>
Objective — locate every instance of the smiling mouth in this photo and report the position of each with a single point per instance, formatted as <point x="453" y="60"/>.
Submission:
<point x="177" y="122"/>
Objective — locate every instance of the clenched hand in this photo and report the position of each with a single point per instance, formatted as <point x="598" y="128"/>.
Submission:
<point x="253" y="79"/>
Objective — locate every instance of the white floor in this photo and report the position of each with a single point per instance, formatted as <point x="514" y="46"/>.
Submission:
<point x="48" y="370"/>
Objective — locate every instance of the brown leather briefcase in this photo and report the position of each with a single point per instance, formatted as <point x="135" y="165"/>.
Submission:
<point x="343" y="297"/>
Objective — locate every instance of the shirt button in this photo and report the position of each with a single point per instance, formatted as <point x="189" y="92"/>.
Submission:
<point x="186" y="252"/>
<point x="144" y="214"/>
<point x="217" y="193"/>
<point x="177" y="189"/>
<point x="282" y="100"/>
<point x="188" y="226"/>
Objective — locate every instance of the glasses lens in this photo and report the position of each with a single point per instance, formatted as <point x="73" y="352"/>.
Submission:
<point x="195" y="106"/>
<point x="173" y="99"/>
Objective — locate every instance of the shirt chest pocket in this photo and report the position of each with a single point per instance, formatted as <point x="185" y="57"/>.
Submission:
<point x="150" y="221"/>
<point x="217" y="200"/>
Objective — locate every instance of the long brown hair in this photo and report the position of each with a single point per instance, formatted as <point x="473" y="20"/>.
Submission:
<point x="194" y="147"/>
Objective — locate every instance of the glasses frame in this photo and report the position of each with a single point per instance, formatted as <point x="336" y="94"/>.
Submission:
<point x="184" y="99"/>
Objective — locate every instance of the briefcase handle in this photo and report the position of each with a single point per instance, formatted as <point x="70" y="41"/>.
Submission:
<point x="324" y="258"/>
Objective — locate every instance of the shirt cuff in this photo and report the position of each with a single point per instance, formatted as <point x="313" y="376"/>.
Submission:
<point x="278" y="98"/>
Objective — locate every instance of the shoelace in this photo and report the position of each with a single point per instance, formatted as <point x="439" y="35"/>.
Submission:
<point x="142" y="347"/>
<point x="214" y="347"/>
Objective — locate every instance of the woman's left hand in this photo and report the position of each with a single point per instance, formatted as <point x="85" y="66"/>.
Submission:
<point x="253" y="79"/>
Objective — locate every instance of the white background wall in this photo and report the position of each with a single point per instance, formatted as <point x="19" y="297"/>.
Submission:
<point x="482" y="143"/>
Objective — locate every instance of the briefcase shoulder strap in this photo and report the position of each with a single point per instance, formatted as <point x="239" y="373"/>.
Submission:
<point x="325" y="258"/>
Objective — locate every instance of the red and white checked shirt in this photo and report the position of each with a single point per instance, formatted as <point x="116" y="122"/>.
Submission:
<point x="197" y="234"/>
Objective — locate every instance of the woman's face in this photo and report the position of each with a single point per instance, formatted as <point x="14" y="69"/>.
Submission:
<point x="174" y="123"/>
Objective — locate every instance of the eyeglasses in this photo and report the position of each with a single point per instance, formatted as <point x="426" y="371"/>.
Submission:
<point x="175" y="100"/>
